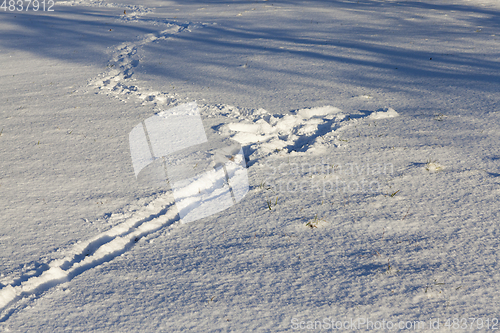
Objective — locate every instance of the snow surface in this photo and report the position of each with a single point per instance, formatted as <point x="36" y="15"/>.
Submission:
<point x="370" y="130"/>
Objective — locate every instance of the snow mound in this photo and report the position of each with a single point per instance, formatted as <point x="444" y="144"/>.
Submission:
<point x="306" y="130"/>
<point x="387" y="113"/>
<point x="299" y="132"/>
<point x="433" y="166"/>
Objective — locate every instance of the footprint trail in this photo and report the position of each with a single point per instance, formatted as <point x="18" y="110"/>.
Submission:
<point x="159" y="214"/>
<point x="262" y="134"/>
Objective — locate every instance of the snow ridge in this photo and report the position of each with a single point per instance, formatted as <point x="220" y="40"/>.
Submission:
<point x="86" y="255"/>
<point x="309" y="130"/>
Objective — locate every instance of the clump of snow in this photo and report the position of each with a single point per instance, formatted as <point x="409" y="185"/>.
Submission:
<point x="386" y="113"/>
<point x="7" y="295"/>
<point x="433" y="166"/>
<point x="319" y="112"/>
<point x="308" y="130"/>
<point x="300" y="131"/>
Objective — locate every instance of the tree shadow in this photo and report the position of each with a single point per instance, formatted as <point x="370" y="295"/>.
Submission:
<point x="79" y="35"/>
<point x="295" y="55"/>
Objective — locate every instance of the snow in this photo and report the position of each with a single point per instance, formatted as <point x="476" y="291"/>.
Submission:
<point x="335" y="160"/>
<point x="389" y="113"/>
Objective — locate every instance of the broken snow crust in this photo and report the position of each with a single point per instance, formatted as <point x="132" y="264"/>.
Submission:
<point x="370" y="131"/>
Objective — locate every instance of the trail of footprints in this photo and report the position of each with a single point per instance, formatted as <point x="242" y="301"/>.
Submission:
<point x="309" y="130"/>
<point x="118" y="80"/>
<point x="104" y="247"/>
<point x="263" y="134"/>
